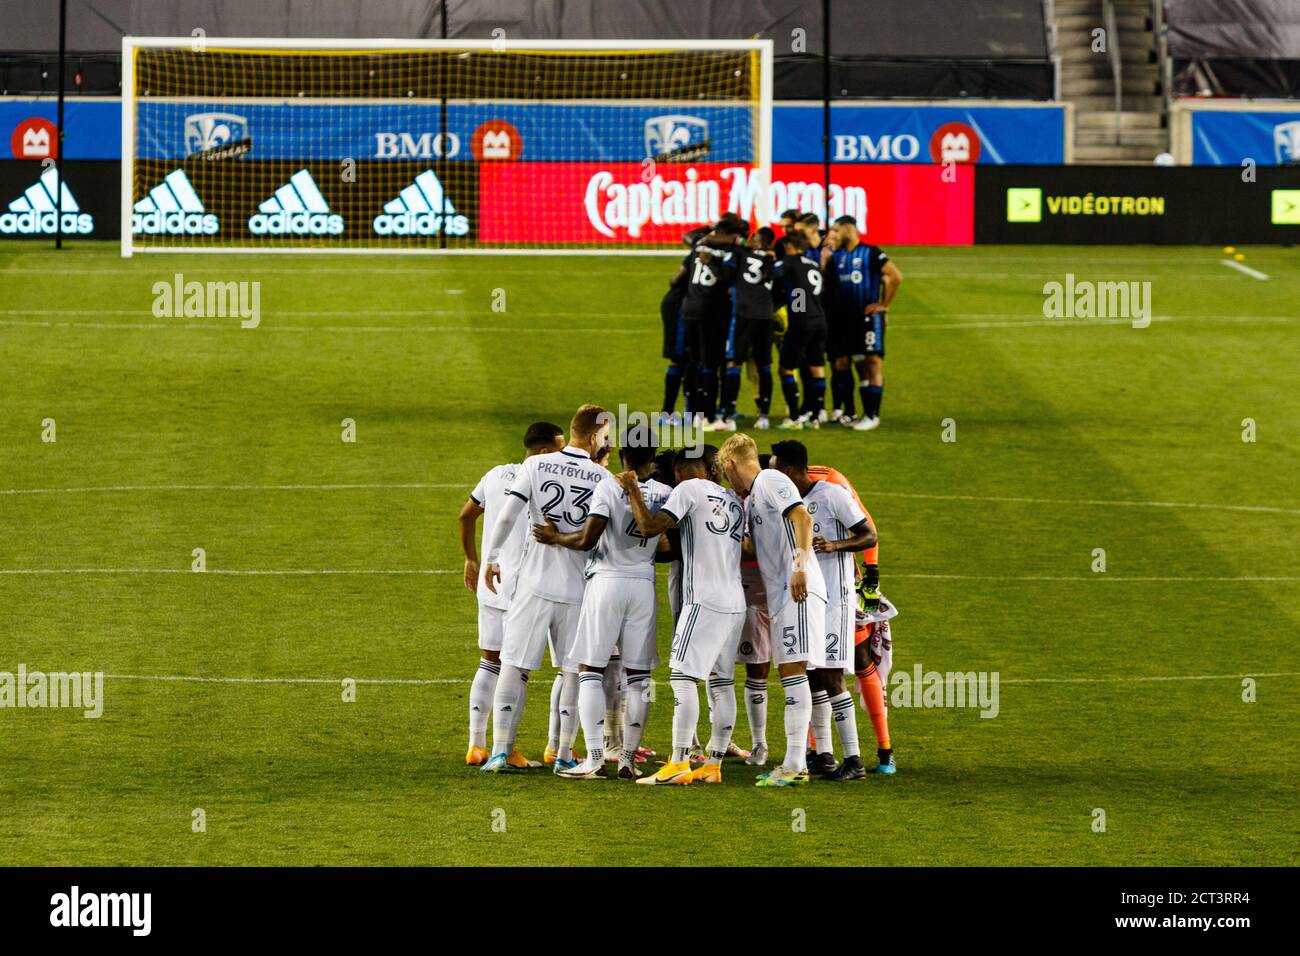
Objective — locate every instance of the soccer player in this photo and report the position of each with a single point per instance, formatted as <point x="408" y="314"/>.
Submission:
<point x="873" y="648"/>
<point x="789" y="221"/>
<point x="710" y="521"/>
<point x="679" y="370"/>
<point x="750" y="331"/>
<point x="707" y="309"/>
<point x="868" y="282"/>
<point x="780" y="529"/>
<point x="840" y="527"/>
<point x="486" y="501"/>
<point x="549" y="582"/>
<point x="619" y="609"/>
<point x="799" y="285"/>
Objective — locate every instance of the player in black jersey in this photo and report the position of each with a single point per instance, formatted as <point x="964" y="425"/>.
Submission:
<point x="679" y="370"/>
<point x="798" y="284"/>
<point x="706" y="310"/>
<point x="750" y="331"/>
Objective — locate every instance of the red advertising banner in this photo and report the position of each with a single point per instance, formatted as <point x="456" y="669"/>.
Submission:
<point x="633" y="203"/>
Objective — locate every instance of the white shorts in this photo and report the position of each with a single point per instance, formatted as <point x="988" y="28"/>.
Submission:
<point x="799" y="633"/>
<point x="531" y="623"/>
<point x="618" y="614"/>
<point x="705" y="641"/>
<point x="839" y="637"/>
<point x="756" y="637"/>
<point x="491" y="627"/>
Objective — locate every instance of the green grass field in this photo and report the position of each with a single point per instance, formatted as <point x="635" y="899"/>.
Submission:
<point x="1120" y="690"/>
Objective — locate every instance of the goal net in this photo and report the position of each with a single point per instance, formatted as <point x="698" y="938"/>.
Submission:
<point x="428" y="146"/>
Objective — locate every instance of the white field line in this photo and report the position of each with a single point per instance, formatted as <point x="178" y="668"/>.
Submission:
<point x="1253" y="273"/>
<point x="919" y="575"/>
<point x="466" y="486"/>
<point x="425" y="682"/>
<point x="270" y="323"/>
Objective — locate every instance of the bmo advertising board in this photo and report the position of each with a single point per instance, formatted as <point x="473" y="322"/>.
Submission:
<point x="633" y="203"/>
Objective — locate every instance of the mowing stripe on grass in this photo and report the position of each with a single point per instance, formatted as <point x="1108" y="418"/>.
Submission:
<point x="306" y="572"/>
<point x="422" y="682"/>
<point x="423" y="486"/>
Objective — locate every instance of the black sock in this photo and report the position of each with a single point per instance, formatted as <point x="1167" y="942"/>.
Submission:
<point x="764" y="401"/>
<point x="689" y="385"/>
<point x="730" y="390"/>
<point x="871" y="395"/>
<point x="708" y="393"/>
<point x="672" y="384"/>
<point x="790" y="389"/>
<point x="818" y="395"/>
<point x="846" y="392"/>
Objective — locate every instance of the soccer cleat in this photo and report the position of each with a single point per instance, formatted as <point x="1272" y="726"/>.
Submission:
<point x="809" y="420"/>
<point x="734" y="750"/>
<point x="561" y="765"/>
<point x="851" y="769"/>
<point x="476" y="757"/>
<point x="627" y="770"/>
<point x="517" y="761"/>
<point x="822" y="764"/>
<point x="587" y="770"/>
<point x="791" y="425"/>
<point x="676" y="774"/>
<point x="848" y="421"/>
<point x="549" y="754"/>
<point x="865" y="424"/>
<point x="758" y="756"/>
<point x="708" y="773"/>
<point x="726" y="425"/>
<point x="695" y="755"/>
<point x="781" y="777"/>
<point x="822" y="416"/>
<point x="643" y="754"/>
<point x="886" y="767"/>
<point x="495" y="764"/>
<point x="762" y="423"/>
<point x="837" y="414"/>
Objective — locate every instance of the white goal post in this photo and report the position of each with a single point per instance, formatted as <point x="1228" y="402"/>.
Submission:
<point x="440" y="146"/>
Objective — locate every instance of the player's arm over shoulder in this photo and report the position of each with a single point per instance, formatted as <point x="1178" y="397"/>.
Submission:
<point x="649" y="524"/>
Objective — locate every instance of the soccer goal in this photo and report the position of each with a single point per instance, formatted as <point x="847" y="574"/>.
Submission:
<point x="258" y="145"/>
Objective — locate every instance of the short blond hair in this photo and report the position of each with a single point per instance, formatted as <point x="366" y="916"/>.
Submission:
<point x="587" y="421"/>
<point x="737" y="448"/>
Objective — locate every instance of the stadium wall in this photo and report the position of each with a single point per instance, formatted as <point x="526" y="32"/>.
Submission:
<point x="1228" y="132"/>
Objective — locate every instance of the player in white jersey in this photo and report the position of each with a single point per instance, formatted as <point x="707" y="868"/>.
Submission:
<point x="780" y="529"/>
<point x="840" y="527"/>
<point x="619" y="612"/>
<point x="549" y="582"/>
<point x="710" y="522"/>
<point x="486" y="501"/>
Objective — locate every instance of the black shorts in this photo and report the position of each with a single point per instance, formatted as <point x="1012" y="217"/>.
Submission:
<point x="748" y="338"/>
<point x="844" y="335"/>
<point x="670" y="311"/>
<point x="706" y="342"/>
<point x="804" y="345"/>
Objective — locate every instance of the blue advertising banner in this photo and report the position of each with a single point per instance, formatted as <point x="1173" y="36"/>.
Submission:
<point x="1225" y="138"/>
<point x="539" y="132"/>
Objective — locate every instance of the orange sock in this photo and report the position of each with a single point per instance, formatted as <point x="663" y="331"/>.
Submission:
<point x="874" y="698"/>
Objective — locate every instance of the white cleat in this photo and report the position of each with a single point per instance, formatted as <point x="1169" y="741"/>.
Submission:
<point x="865" y="424"/>
<point x="848" y="421"/>
<point x="762" y="424"/>
<point x="822" y="416"/>
<point x="837" y="414"/>
<point x="758" y="756"/>
<point x="791" y="425"/>
<point x="809" y="420"/>
<point x="587" y="770"/>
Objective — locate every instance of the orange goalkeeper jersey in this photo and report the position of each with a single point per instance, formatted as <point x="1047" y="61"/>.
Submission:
<point x="826" y="473"/>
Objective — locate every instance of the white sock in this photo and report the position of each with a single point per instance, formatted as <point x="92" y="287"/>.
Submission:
<point x="798" y="715"/>
<point x="756" y="709"/>
<point x="568" y="717"/>
<point x="821" y="722"/>
<point x="508" y="707"/>
<point x="722" y="692"/>
<point x="686" y="713"/>
<point x="591" y="707"/>
<point x="638" y="709"/>
<point x="613" y="686"/>
<point x="846" y="723"/>
<point x="553" y="729"/>
<point x="481" y="691"/>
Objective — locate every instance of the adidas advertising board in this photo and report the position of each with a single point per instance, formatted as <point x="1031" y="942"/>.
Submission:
<point x="173" y="208"/>
<point x="296" y="209"/>
<point x="39" y="210"/>
<point x="421" y="209"/>
<point x="91" y="199"/>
